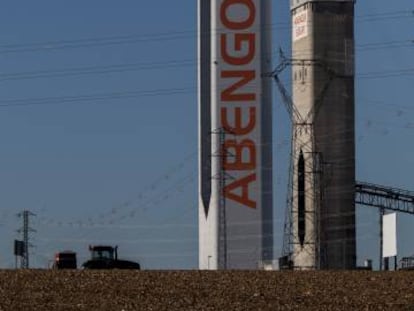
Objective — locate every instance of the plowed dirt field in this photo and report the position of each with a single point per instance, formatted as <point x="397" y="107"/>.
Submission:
<point x="195" y="290"/>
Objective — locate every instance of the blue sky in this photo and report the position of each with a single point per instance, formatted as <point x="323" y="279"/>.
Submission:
<point x="120" y="166"/>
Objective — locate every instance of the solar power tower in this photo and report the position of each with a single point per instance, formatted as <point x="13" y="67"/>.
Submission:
<point x="322" y="229"/>
<point x="235" y="134"/>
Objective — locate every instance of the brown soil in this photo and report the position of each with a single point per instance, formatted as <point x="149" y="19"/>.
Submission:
<point x="195" y="290"/>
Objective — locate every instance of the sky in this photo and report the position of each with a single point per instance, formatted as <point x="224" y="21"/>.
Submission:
<point x="98" y="125"/>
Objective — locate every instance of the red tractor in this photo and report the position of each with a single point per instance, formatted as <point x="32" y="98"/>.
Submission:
<point x="65" y="260"/>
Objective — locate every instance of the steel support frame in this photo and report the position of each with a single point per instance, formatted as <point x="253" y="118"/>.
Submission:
<point x="382" y="197"/>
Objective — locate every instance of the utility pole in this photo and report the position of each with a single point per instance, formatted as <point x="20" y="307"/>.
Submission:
<point x="303" y="246"/>
<point x="222" y="155"/>
<point x="381" y="260"/>
<point x="25" y="230"/>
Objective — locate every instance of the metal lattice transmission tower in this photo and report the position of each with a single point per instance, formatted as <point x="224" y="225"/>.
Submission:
<point x="303" y="147"/>
<point x="26" y="230"/>
<point x="221" y="155"/>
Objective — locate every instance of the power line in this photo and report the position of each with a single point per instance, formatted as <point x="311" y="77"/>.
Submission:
<point x="90" y="221"/>
<point x="387" y="74"/>
<point x="88" y="70"/>
<point x="119" y="68"/>
<point x="94" y="97"/>
<point x="159" y="92"/>
<point x="162" y="36"/>
<point x="157" y="196"/>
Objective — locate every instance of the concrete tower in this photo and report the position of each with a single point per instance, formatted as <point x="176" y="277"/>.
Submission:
<point x="323" y="208"/>
<point x="235" y="134"/>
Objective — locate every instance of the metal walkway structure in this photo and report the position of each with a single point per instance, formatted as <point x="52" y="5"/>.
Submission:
<point x="384" y="198"/>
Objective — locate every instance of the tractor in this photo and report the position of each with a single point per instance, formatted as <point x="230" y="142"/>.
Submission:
<point x="106" y="257"/>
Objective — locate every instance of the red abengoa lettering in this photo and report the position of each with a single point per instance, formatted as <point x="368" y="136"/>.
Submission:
<point x="300" y="19"/>
<point x="237" y="149"/>
<point x="237" y="128"/>
<point x="237" y="25"/>
<point x="238" y="91"/>
<point x="229" y="95"/>
<point x="242" y="186"/>
<point x="247" y="40"/>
